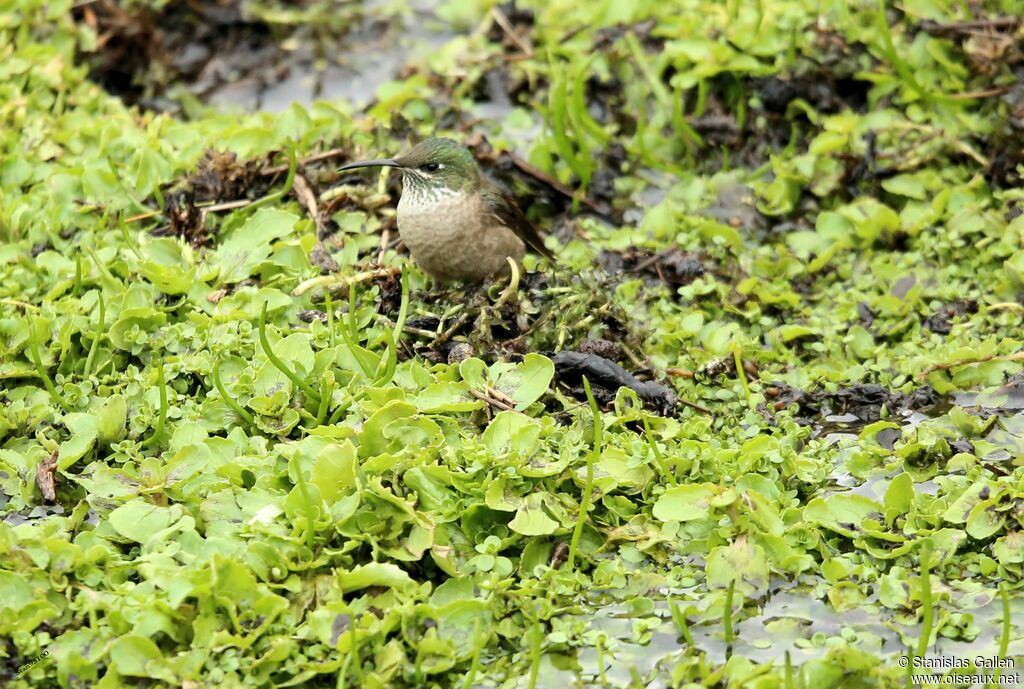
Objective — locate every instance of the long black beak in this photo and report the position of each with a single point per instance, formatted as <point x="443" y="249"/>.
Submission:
<point x="383" y="162"/>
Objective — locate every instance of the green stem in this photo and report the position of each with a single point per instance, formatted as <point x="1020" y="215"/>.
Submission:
<point x="558" y="110"/>
<point x="388" y="363"/>
<point x="276" y="361"/>
<point x="96" y="338"/>
<point x="690" y="136"/>
<point x="342" y="682"/>
<point x="352" y="321"/>
<point x="354" y="347"/>
<point x="350" y="333"/>
<point x="474" y="663"/>
<point x="703" y="88"/>
<point x="128" y="238"/>
<point x="336" y="414"/>
<point x="679" y="619"/>
<point x="78" y="275"/>
<point x="307" y="503"/>
<point x="228" y="399"/>
<point x="37" y="361"/>
<point x="158" y="430"/>
<point x="579" y="112"/>
<point x="654" y="80"/>
<point x="535" y="643"/>
<point x="658" y="457"/>
<point x="329" y="307"/>
<point x="355" y="651"/>
<point x="727" y="612"/>
<point x="600" y="660"/>
<point x="403" y="307"/>
<point x="1004" y="639"/>
<point x="926" y="611"/>
<point x="789" y="672"/>
<point x="105" y="274"/>
<point x="741" y="104"/>
<point x="513" y="286"/>
<point x="741" y="375"/>
<point x="325" y="398"/>
<point x="588" y="486"/>
<point x="898" y="63"/>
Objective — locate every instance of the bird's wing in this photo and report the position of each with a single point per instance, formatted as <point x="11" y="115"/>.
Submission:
<point x="505" y="210"/>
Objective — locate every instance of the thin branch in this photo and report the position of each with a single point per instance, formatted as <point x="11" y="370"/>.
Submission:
<point x="1018" y="356"/>
<point x="547" y="179"/>
<point x="342" y="281"/>
<point x="988" y="93"/>
<point x="304" y="192"/>
<point x="501" y="19"/>
<point x="972" y="26"/>
<point x="326" y="155"/>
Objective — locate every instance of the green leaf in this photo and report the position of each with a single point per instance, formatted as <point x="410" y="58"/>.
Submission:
<point x="961" y="508"/>
<point x="917" y="185"/>
<point x="842" y="513"/>
<point x="15" y="591"/>
<point x="532" y="519"/>
<point x="1015" y="267"/>
<point x="899" y="496"/>
<point x="474" y="372"/>
<point x="137" y="656"/>
<point x="1009" y="549"/>
<point x="384" y="574"/>
<point x="373" y="439"/>
<point x="140" y="521"/>
<point x="685" y="503"/>
<point x="334" y="472"/>
<point x="511" y="432"/>
<point x="870" y="218"/>
<point x="110" y="419"/>
<point x="248" y="246"/>
<point x="984" y="521"/>
<point x="83" y="437"/>
<point x="740" y="561"/>
<point x="167" y="266"/>
<point x="526" y="381"/>
<point x="790" y="332"/>
<point x="936" y="10"/>
<point x="152" y="168"/>
<point x="446" y="396"/>
<point x="459" y="620"/>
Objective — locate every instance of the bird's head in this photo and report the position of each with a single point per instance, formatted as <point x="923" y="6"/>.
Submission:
<point x="431" y="165"/>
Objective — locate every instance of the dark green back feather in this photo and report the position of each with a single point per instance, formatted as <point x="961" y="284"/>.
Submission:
<point x="505" y="210"/>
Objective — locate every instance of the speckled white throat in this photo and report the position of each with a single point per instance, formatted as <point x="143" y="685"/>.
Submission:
<point x="452" y="236"/>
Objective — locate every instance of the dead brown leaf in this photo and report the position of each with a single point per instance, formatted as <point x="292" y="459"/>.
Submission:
<point x="46" y="475"/>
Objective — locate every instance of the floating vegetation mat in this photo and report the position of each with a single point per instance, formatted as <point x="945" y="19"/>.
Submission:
<point x="760" y="425"/>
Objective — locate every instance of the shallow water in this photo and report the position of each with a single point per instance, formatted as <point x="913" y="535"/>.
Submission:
<point x="791" y="620"/>
<point x="353" y="67"/>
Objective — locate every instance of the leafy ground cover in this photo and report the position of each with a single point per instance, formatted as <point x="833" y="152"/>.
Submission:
<point x="244" y="443"/>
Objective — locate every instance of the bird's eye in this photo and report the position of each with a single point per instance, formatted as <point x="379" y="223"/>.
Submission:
<point x="431" y="167"/>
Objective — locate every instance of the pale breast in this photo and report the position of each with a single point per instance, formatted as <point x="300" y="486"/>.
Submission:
<point x="451" y="238"/>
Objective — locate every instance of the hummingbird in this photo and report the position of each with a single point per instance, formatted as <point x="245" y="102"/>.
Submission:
<point x="457" y="224"/>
